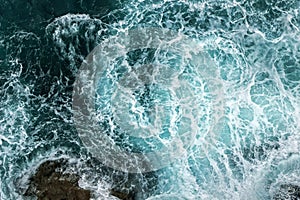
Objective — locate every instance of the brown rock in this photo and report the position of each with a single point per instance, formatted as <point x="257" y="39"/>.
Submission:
<point x="49" y="183"/>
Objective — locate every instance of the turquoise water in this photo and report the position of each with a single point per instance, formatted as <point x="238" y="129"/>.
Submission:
<point x="218" y="104"/>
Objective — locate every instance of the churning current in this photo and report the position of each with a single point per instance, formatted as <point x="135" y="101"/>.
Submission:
<point x="157" y="99"/>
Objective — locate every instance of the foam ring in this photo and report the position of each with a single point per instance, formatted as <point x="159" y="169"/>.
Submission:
<point x="97" y="64"/>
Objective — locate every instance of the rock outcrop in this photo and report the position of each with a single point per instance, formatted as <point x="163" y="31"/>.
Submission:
<point x="49" y="183"/>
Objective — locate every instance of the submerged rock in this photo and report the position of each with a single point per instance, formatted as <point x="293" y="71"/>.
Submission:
<point x="49" y="183"/>
<point x="122" y="195"/>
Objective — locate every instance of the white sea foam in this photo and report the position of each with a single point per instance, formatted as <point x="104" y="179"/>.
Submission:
<point x="246" y="144"/>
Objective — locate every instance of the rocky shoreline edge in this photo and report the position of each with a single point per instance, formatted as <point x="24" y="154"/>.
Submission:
<point x="50" y="182"/>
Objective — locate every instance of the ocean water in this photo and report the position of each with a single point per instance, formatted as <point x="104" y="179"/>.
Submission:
<point x="190" y="99"/>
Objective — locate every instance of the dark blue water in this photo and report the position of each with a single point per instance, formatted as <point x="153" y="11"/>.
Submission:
<point x="238" y="97"/>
